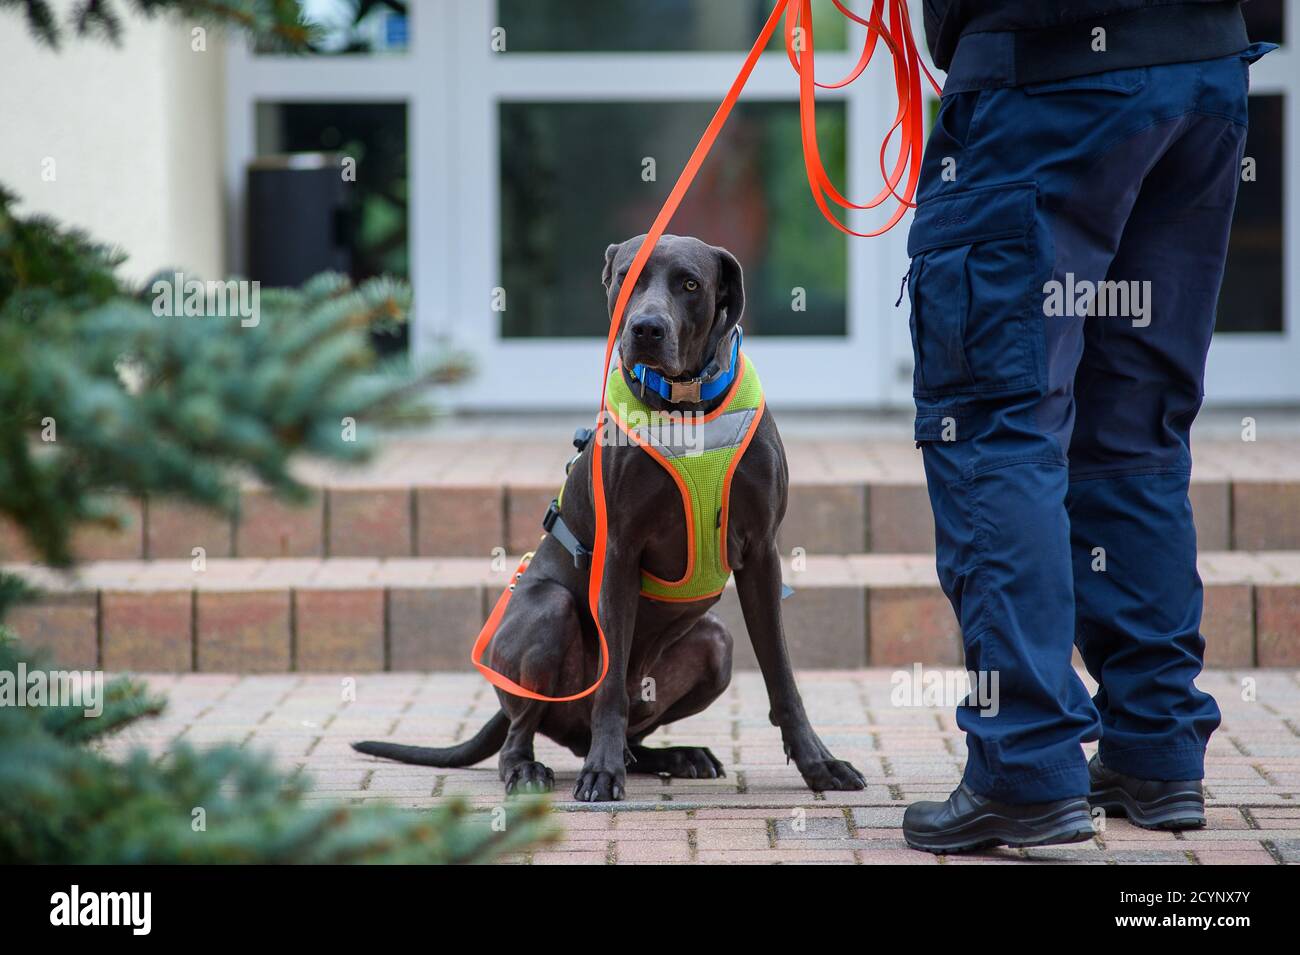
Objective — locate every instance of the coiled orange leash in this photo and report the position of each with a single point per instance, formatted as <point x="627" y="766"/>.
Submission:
<point x="910" y="125"/>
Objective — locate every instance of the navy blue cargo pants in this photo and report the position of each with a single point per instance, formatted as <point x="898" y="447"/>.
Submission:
<point x="1067" y="251"/>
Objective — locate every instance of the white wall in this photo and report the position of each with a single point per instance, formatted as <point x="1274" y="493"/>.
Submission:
<point x="135" y="134"/>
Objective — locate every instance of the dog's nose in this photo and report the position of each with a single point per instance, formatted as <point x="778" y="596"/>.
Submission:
<point x="649" y="328"/>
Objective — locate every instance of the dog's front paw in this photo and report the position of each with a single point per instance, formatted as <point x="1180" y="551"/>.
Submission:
<point x="830" y="774"/>
<point x="600" y="784"/>
<point x="530" y="777"/>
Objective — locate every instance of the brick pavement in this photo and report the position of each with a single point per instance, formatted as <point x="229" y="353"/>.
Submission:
<point x="760" y="813"/>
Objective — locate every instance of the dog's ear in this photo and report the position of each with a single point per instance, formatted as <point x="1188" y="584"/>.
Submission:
<point x="730" y="301"/>
<point x="607" y="275"/>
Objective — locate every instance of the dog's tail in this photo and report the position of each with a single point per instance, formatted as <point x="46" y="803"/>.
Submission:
<point x="486" y="742"/>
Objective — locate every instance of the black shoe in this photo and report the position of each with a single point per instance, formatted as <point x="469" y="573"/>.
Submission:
<point x="970" y="821"/>
<point x="1149" y="803"/>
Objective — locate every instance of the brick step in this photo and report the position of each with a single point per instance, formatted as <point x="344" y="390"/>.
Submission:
<point x="364" y="615"/>
<point x="890" y="516"/>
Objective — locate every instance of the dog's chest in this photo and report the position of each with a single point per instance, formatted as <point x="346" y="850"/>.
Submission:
<point x="673" y="520"/>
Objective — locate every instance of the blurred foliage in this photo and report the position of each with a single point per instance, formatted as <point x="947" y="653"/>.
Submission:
<point x="102" y="394"/>
<point x="110" y="389"/>
<point x="356" y="26"/>
<point x="275" y="22"/>
<point x="64" y="802"/>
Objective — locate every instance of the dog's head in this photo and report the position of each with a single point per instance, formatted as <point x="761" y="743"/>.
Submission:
<point x="688" y="298"/>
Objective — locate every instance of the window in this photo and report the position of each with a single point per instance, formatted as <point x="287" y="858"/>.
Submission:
<point x="661" y="26"/>
<point x="376" y="228"/>
<point x="1251" y="299"/>
<point x="572" y="183"/>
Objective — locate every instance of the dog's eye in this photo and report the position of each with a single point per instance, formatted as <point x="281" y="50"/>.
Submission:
<point x="691" y="285"/>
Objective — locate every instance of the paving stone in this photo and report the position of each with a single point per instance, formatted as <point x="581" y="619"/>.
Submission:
<point x="14" y="545"/>
<point x="460" y="521"/>
<point x="657" y="850"/>
<point x="242" y="631"/>
<point x="433" y="628"/>
<point x="777" y="856"/>
<point x="901" y="519"/>
<point x="268" y="526"/>
<point x="868" y="818"/>
<point x="1228" y="623"/>
<point x="553" y="857"/>
<point x="907" y="625"/>
<point x="174" y="530"/>
<point x="339" y="631"/>
<point x="63" y="624"/>
<point x="825" y="519"/>
<point x="727" y="838"/>
<point x="1212" y="513"/>
<point x="1277" y="610"/>
<point x="370" y="522"/>
<point x="828" y="827"/>
<point x="148" y="631"/>
<point x="1266" y="515"/>
<point x="1260" y="856"/>
<point x="525" y="507"/>
<point x="125" y="542"/>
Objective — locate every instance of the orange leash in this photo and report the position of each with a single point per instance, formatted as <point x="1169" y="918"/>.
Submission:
<point x="908" y="121"/>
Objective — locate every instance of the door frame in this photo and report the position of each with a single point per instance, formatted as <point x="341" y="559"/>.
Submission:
<point x="1264" y="367"/>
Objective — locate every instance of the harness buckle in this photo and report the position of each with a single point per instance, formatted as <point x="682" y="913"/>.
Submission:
<point x="551" y="515"/>
<point x="555" y="526"/>
<point x="684" y="391"/>
<point x="581" y="438"/>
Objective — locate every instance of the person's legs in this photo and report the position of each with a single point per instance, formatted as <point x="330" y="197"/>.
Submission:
<point x="1022" y="188"/>
<point x="1138" y="388"/>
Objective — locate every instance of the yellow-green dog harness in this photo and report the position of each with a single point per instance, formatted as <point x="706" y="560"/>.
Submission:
<point x="700" y="452"/>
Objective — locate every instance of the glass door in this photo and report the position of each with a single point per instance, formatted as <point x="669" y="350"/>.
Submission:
<point x="572" y="121"/>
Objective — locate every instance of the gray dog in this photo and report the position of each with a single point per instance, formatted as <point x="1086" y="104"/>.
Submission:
<point x="681" y="318"/>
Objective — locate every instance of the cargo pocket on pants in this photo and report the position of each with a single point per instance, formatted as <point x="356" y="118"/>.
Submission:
<point x="974" y="327"/>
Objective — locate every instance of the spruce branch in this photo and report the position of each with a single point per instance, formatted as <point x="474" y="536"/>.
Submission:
<point x="66" y="803"/>
<point x="104" y="396"/>
<point x="277" y="23"/>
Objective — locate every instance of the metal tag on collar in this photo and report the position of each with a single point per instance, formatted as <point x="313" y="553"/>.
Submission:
<point x="681" y="392"/>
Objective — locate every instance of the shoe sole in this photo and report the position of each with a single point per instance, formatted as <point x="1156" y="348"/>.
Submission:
<point x="1070" y="824"/>
<point x="1173" y="812"/>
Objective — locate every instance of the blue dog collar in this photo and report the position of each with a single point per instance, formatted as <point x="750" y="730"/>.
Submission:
<point x="706" y="386"/>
